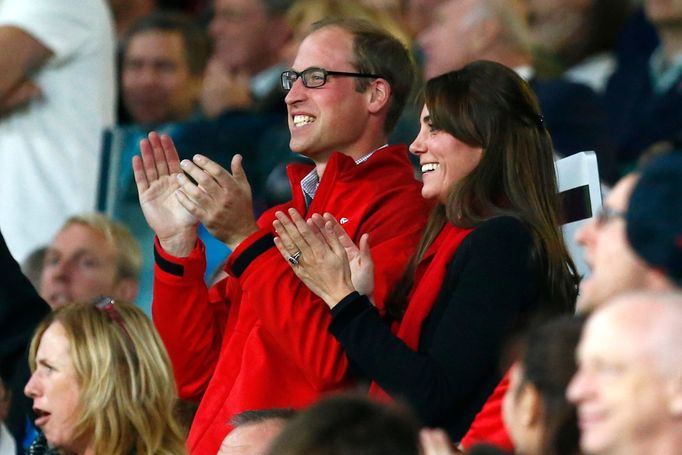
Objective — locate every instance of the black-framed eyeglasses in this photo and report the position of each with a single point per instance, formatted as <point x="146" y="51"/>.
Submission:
<point x="606" y="214"/>
<point x="315" y="77"/>
<point x="107" y="305"/>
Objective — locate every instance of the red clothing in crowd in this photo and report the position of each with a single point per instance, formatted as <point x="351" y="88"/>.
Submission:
<point x="488" y="426"/>
<point x="259" y="338"/>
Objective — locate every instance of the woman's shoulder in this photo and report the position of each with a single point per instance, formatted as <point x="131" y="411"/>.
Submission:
<point x="495" y="237"/>
<point x="502" y="229"/>
<point x="503" y="242"/>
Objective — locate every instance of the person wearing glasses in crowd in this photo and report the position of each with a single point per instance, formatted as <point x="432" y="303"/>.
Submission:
<point x="635" y="242"/>
<point x="491" y="256"/>
<point x="258" y="339"/>
<point x="102" y="383"/>
<point x="633" y="246"/>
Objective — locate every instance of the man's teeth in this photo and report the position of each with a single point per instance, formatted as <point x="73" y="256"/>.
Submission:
<point x="429" y="167"/>
<point x="300" y="120"/>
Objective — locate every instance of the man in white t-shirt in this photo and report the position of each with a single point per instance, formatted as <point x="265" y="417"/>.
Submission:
<point x="57" y="95"/>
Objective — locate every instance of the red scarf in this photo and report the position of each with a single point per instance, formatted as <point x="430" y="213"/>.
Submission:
<point x="431" y="271"/>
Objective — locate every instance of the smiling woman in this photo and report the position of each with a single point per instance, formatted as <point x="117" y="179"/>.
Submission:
<point x="102" y="383"/>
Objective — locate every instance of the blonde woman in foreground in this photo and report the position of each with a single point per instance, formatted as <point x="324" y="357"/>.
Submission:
<point x="102" y="383"/>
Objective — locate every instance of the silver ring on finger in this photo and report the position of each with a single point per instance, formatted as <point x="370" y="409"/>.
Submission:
<point x="294" y="258"/>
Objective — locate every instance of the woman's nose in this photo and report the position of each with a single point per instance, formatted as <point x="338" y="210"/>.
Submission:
<point x="417" y="146"/>
<point x="31" y="388"/>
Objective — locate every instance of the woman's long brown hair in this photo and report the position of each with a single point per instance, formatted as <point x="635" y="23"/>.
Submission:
<point x="487" y="105"/>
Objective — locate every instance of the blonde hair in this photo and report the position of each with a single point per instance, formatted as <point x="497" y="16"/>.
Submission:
<point x="128" y="253"/>
<point x="128" y="394"/>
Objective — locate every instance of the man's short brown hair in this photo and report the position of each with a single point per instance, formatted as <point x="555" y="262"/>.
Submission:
<point x="375" y="51"/>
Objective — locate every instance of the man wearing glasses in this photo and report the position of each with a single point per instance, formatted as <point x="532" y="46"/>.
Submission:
<point x="635" y="243"/>
<point x="627" y="388"/>
<point x="258" y="339"/>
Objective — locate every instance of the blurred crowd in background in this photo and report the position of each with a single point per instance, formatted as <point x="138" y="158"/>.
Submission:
<point x="82" y="86"/>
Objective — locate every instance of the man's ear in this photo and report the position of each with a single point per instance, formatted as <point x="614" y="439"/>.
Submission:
<point x="126" y="289"/>
<point x="379" y="95"/>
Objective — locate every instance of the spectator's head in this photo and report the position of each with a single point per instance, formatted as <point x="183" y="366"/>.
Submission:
<point x="163" y="61"/>
<point x="615" y="267"/>
<point x="419" y="14"/>
<point x="247" y="35"/>
<point x="628" y="388"/>
<point x="101" y="380"/>
<point x="664" y="13"/>
<point x="536" y="413"/>
<point x="462" y="31"/>
<point x="352" y="115"/>
<point x="634" y="243"/>
<point x="254" y="431"/>
<point x="90" y="256"/>
<point x="346" y="425"/>
<point x="575" y="29"/>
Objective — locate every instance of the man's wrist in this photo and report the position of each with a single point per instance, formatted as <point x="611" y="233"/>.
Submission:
<point x="179" y="245"/>
<point x="234" y="240"/>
